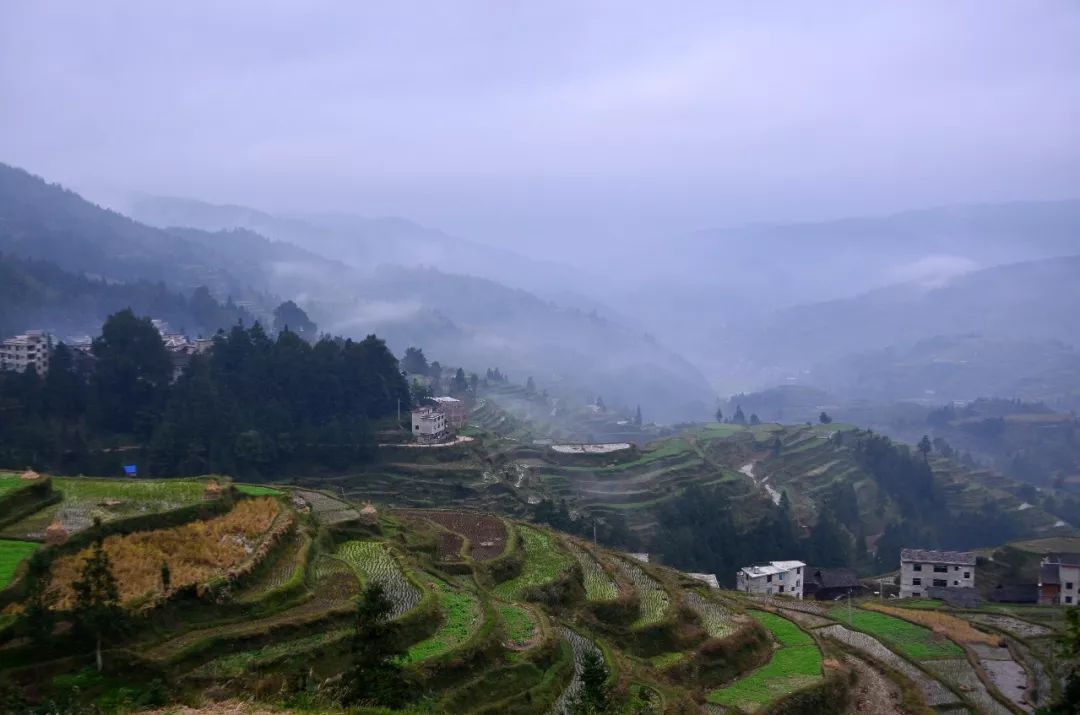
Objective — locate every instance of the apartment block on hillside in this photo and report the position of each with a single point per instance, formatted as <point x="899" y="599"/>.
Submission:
<point x="922" y="569"/>
<point x="30" y="351"/>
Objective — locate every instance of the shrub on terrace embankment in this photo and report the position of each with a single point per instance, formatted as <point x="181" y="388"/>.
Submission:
<point x="826" y="697"/>
<point x="721" y="660"/>
<point x="28" y="497"/>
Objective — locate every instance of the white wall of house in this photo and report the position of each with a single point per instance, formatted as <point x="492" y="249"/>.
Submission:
<point x="777" y="578"/>
<point x="1070" y="584"/>
<point x="917" y="576"/>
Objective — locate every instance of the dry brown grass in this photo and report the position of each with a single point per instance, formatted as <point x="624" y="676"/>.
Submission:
<point x="942" y="623"/>
<point x="195" y="552"/>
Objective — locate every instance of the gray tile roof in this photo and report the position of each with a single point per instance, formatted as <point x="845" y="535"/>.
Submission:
<point x="961" y="558"/>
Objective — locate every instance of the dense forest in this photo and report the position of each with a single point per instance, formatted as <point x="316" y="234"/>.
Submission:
<point x="254" y="405"/>
<point x="700" y="530"/>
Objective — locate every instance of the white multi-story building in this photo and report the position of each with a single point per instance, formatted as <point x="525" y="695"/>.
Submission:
<point x="27" y="352"/>
<point x="780" y="578"/>
<point x="1059" y="580"/>
<point x="428" y="425"/>
<point x="921" y="570"/>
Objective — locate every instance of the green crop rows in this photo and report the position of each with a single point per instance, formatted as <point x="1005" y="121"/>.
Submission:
<point x="914" y="642"/>
<point x="12" y="553"/>
<point x="599" y="586"/>
<point x="519" y="624"/>
<point x="461" y="612"/>
<point x="654" y="599"/>
<point x="795" y="665"/>
<point x="715" y="618"/>
<point x="254" y="490"/>
<point x="544" y="561"/>
<point x="373" y="563"/>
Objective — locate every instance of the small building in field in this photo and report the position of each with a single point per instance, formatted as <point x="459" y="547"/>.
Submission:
<point x="428" y="425"/>
<point x="456" y="411"/>
<point x="922" y="569"/>
<point x="1059" y="579"/>
<point x="831" y="584"/>
<point x="779" y="578"/>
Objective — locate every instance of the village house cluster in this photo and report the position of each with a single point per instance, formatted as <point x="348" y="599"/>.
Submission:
<point x="33" y="349"/>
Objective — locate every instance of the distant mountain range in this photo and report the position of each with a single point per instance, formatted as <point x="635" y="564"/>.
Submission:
<point x="458" y="319"/>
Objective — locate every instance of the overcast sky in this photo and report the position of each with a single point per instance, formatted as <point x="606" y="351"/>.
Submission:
<point x="548" y="122"/>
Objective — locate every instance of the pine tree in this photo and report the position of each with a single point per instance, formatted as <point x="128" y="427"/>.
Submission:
<point x="39" y="598"/>
<point x="637" y="416"/>
<point x="530" y="386"/>
<point x="740" y="417"/>
<point x="925" y="448"/>
<point x="719" y="414"/>
<point x="595" y="697"/>
<point x="166" y="577"/>
<point x="824" y="418"/>
<point x="375" y="676"/>
<point x="97" y="596"/>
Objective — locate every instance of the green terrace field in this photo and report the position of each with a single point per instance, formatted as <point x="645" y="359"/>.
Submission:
<point x="13" y="553"/>
<point x="910" y="640"/>
<point x="544" y="562"/>
<point x="84" y="499"/>
<point x="795" y="664"/>
<point x="492" y="614"/>
<point x="9" y="481"/>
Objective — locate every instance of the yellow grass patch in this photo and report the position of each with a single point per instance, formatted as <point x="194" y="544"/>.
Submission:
<point x="195" y="552"/>
<point x="942" y="623"/>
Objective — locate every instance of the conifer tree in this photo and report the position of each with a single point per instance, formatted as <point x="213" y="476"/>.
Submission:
<point x="375" y="676"/>
<point x="97" y="596"/>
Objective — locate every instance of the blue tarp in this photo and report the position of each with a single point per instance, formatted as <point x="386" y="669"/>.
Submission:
<point x="131" y="470"/>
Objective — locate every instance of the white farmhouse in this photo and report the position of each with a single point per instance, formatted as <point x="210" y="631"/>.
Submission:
<point x="428" y="425"/>
<point x="1059" y="580"/>
<point x="781" y="578"/>
<point x="921" y="570"/>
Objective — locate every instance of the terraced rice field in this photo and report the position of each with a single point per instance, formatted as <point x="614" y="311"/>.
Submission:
<point x="486" y="533"/>
<point x="519" y="625"/>
<point x="327" y="509"/>
<point x="544" y="562"/>
<point x="236" y="665"/>
<point x="796" y="664"/>
<point x="599" y="586"/>
<point x="288" y="566"/>
<point x="959" y="673"/>
<point x="13" y="553"/>
<point x="335" y="591"/>
<point x="932" y="691"/>
<point x="912" y="641"/>
<point x="107" y="499"/>
<point x="373" y="562"/>
<point x="654" y="599"/>
<point x="1014" y="626"/>
<point x="196" y="552"/>
<point x="580" y="646"/>
<point x="9" y="482"/>
<point x="255" y="490"/>
<point x="717" y="620"/>
<point x="1008" y="676"/>
<point x="461" y="617"/>
<point x="955" y="628"/>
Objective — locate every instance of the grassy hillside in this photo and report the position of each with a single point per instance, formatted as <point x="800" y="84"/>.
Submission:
<point x="493" y="616"/>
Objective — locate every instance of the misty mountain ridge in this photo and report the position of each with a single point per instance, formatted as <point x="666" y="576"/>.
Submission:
<point x="367" y="243"/>
<point x="459" y="319"/>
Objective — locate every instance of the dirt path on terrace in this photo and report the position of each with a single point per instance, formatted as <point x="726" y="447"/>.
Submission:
<point x="873" y="694"/>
